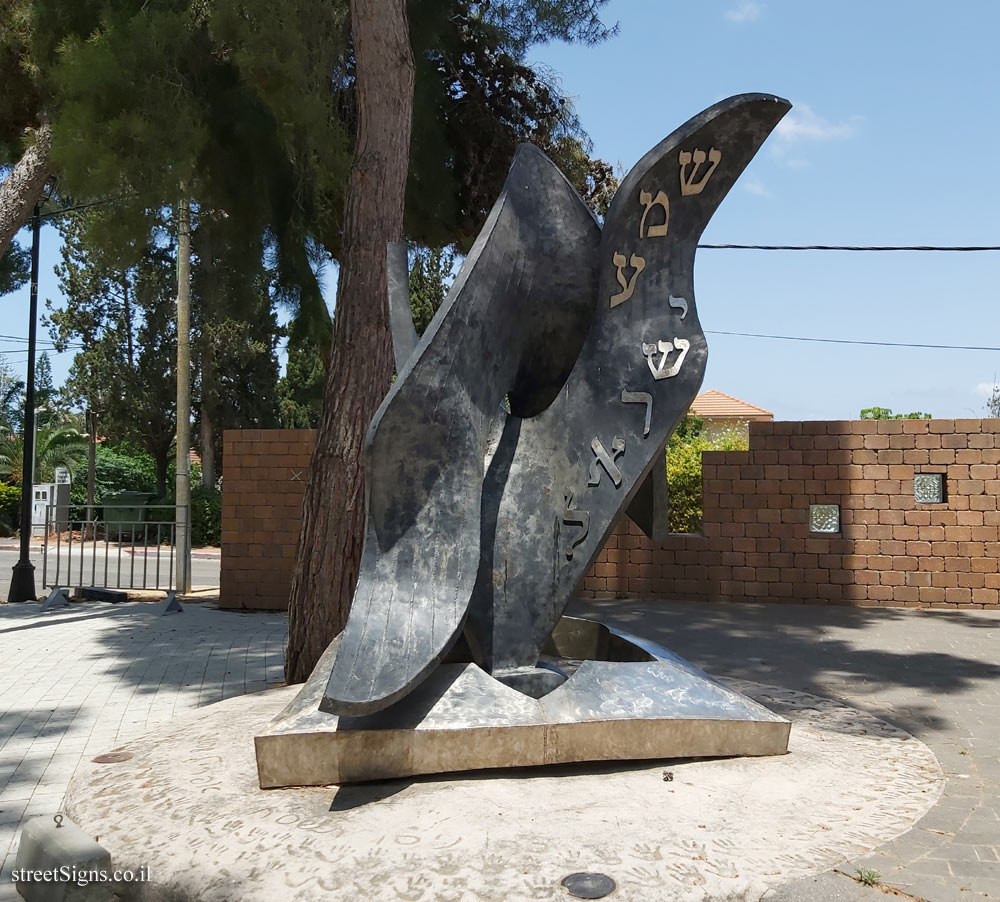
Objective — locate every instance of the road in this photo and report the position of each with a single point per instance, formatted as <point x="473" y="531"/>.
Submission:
<point x="204" y="571"/>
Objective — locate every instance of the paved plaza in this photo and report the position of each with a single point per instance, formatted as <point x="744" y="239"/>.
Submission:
<point x="81" y="681"/>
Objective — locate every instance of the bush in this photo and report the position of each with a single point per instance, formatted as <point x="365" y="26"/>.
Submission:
<point x="684" y="469"/>
<point x="10" y="507"/>
<point x="206" y="516"/>
<point x="114" y="472"/>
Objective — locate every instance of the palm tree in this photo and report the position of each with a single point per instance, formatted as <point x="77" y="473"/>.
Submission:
<point x="57" y="444"/>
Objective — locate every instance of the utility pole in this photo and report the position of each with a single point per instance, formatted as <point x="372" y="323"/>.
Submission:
<point x="183" y="485"/>
<point x="22" y="582"/>
<point x="91" y="461"/>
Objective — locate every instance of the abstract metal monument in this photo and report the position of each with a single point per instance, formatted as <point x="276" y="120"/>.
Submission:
<point x="531" y="413"/>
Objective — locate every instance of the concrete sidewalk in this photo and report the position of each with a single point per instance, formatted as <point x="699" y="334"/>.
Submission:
<point x="936" y="674"/>
<point x="81" y="681"/>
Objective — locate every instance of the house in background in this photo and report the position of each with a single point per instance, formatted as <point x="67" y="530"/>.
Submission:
<point x="722" y="412"/>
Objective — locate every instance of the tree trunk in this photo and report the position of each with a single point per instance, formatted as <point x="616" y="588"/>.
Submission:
<point x="22" y="189"/>
<point x="361" y="365"/>
<point x="206" y="434"/>
<point x="161" y="458"/>
<point x="182" y="496"/>
<point x="206" y="428"/>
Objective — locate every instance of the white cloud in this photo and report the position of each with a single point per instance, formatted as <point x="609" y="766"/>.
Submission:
<point x="755" y="186"/>
<point x="747" y="11"/>
<point x="984" y="390"/>
<point x="804" y="124"/>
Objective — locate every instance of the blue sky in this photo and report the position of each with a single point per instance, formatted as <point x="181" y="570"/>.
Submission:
<point x="893" y="139"/>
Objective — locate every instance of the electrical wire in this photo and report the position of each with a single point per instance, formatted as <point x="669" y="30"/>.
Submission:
<point x="848" y="247"/>
<point x="851" y="341"/>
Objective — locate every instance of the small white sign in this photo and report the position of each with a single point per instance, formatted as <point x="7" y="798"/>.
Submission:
<point x="62" y="476"/>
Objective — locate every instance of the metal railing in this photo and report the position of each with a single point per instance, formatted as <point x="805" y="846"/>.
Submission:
<point x="113" y="552"/>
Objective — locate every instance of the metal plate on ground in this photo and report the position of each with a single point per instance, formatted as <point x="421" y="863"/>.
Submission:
<point x="112" y="758"/>
<point x="586" y="885"/>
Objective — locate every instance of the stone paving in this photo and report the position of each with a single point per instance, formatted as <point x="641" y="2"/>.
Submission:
<point x="936" y="674"/>
<point x="81" y="681"/>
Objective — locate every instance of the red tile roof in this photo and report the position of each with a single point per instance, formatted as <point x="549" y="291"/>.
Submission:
<point x="715" y="405"/>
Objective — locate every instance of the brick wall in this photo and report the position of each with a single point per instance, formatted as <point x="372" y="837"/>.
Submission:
<point x="263" y="483"/>
<point x="891" y="551"/>
<point x="756" y="544"/>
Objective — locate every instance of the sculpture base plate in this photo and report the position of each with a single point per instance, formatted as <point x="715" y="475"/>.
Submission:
<point x="625" y="699"/>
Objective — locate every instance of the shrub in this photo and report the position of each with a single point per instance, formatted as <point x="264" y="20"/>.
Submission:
<point x="206" y="516"/>
<point x="114" y="472"/>
<point x="684" y="469"/>
<point x="10" y="507"/>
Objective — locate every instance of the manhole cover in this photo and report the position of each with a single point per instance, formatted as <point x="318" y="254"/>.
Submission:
<point x="585" y="885"/>
<point x="112" y="757"/>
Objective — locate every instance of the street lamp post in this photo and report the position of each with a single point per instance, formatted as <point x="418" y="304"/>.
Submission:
<point x="22" y="583"/>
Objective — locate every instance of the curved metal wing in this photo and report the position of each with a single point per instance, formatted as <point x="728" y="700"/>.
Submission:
<point x="527" y="282"/>
<point x="560" y="479"/>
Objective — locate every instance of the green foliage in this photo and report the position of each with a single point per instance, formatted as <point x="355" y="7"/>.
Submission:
<point x="23" y="95"/>
<point x="300" y="390"/>
<point x="15" y="269"/>
<point x="477" y="97"/>
<point x="57" y="444"/>
<point x="234" y="335"/>
<point x="867" y="876"/>
<point x="885" y="413"/>
<point x="206" y="516"/>
<point x="47" y="399"/>
<point x="993" y="402"/>
<point x="115" y="471"/>
<point x="119" y="304"/>
<point x="10" y="507"/>
<point x="684" y="450"/>
<point x="430" y="278"/>
<point x="11" y="399"/>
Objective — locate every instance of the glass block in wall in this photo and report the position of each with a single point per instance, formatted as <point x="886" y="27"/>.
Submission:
<point x="824" y="518"/>
<point x="928" y="488"/>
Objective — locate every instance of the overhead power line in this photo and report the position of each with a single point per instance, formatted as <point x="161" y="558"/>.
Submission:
<point x="845" y="247"/>
<point x="852" y="341"/>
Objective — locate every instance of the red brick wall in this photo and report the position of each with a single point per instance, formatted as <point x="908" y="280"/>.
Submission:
<point x="891" y="551"/>
<point x="262" y="487"/>
<point x="756" y="544"/>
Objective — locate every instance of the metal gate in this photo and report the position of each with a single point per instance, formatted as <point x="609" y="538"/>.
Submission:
<point x="127" y="547"/>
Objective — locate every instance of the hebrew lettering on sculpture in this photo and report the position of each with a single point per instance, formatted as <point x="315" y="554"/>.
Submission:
<point x="661" y="370"/>
<point x="603" y="459"/>
<point x="640" y="397"/>
<point x="580" y="517"/>
<point x="648" y="201"/>
<point x="679" y="304"/>
<point x="688" y="183"/>
<point x="628" y="285"/>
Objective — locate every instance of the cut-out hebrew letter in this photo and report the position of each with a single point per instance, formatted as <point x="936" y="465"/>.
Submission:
<point x="647" y="200"/>
<point x="628" y="285"/>
<point x="678" y="304"/>
<point x="603" y="459"/>
<point x="661" y="370"/>
<point x="580" y="517"/>
<point x="688" y="183"/>
<point x="640" y="397"/>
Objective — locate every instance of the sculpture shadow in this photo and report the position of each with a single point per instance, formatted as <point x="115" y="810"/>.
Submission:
<point x="895" y="664"/>
<point x="358" y="795"/>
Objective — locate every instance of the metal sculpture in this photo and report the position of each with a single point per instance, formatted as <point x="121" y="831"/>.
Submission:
<point x="529" y="415"/>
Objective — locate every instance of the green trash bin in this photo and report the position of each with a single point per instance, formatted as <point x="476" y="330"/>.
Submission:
<point x="122" y="510"/>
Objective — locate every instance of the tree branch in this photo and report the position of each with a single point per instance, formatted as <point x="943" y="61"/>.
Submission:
<point x="21" y="190"/>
